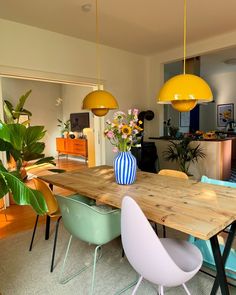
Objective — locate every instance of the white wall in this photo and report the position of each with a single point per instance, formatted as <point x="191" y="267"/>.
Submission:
<point x="224" y="91"/>
<point x="42" y="104"/>
<point x="72" y="96"/>
<point x="29" y="48"/>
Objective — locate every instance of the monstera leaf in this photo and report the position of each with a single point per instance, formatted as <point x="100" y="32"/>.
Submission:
<point x="22" y="194"/>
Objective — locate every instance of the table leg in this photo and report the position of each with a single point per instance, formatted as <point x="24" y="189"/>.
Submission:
<point x="228" y="245"/>
<point x="47" y="231"/>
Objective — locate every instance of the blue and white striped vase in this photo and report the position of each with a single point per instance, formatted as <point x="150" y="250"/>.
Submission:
<point x="125" y="168"/>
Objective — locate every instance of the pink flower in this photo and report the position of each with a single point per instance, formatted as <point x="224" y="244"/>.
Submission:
<point x="110" y="134"/>
<point x="135" y="112"/>
<point x="115" y="149"/>
<point x="124" y="136"/>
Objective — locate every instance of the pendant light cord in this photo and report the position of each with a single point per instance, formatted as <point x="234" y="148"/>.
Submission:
<point x="98" y="46"/>
<point x="185" y="29"/>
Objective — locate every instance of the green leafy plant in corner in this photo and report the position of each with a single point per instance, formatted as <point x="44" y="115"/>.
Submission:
<point x="183" y="153"/>
<point x="10" y="181"/>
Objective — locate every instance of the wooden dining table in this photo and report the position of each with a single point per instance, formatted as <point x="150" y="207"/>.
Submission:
<point x="198" y="209"/>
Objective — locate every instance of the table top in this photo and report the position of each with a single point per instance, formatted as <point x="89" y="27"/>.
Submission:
<point x="192" y="207"/>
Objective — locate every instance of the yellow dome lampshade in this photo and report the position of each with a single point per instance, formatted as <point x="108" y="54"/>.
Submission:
<point x="100" y="102"/>
<point x="184" y="91"/>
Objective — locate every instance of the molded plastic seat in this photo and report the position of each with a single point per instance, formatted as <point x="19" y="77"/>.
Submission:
<point x="174" y="173"/>
<point x="53" y="211"/>
<point x="165" y="262"/>
<point x="205" y="246"/>
<point x="90" y="224"/>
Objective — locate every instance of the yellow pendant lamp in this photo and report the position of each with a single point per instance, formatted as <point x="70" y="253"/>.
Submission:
<point x="99" y="101"/>
<point x="185" y="90"/>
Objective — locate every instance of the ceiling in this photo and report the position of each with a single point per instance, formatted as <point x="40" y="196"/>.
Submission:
<point x="140" y="26"/>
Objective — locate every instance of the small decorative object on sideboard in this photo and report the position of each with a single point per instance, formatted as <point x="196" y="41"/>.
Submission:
<point x="123" y="132"/>
<point x="65" y="127"/>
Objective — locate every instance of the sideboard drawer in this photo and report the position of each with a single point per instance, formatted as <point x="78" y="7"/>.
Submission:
<point x="77" y="147"/>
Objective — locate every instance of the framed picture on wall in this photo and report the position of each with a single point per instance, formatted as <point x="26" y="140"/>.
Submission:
<point x="225" y="113"/>
<point x="184" y="119"/>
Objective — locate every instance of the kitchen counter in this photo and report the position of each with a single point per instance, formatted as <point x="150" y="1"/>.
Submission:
<point x="170" y="138"/>
<point x="216" y="164"/>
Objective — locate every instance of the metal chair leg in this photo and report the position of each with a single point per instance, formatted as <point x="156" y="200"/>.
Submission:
<point x="64" y="262"/>
<point x="35" y="226"/>
<point x="55" y="244"/>
<point x="47" y="230"/>
<point x="94" y="267"/>
<point x="137" y="285"/>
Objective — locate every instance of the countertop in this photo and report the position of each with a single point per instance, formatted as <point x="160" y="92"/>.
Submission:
<point x="170" y="138"/>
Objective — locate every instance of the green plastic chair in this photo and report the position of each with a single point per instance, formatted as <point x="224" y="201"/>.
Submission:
<point x="89" y="224"/>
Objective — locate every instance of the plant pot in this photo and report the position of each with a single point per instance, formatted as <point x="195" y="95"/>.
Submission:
<point x="125" y="168"/>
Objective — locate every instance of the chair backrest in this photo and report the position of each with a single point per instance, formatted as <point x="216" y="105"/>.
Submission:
<point x="206" y="179"/>
<point x="86" y="223"/>
<point x="48" y="195"/>
<point x="144" y="249"/>
<point x="174" y="173"/>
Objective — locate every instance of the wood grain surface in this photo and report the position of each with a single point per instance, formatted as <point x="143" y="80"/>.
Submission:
<point x="192" y="207"/>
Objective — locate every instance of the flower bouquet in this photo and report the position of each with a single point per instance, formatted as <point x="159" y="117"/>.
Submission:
<point x="124" y="132"/>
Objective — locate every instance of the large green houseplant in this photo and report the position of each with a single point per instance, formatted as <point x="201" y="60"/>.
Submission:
<point x="11" y="182"/>
<point x="22" y="145"/>
<point x="183" y="153"/>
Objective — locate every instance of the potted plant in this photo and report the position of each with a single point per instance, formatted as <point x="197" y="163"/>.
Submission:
<point x="24" y="143"/>
<point x="11" y="114"/>
<point x="65" y="127"/>
<point x="24" y="146"/>
<point x="11" y="182"/>
<point x="183" y="153"/>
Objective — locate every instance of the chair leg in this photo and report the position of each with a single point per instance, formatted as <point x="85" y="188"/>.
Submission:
<point x="160" y="290"/>
<point x="64" y="262"/>
<point x="47" y="229"/>
<point x="186" y="289"/>
<point x="35" y="226"/>
<point x="94" y="267"/>
<point x="55" y="244"/>
<point x="123" y="253"/>
<point x="137" y="285"/>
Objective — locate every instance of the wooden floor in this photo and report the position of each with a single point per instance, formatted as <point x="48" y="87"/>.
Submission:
<point x="17" y="218"/>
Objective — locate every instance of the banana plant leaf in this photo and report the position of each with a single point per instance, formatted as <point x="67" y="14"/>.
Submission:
<point x="49" y="160"/>
<point x="22" y="101"/>
<point x="34" y="133"/>
<point x="22" y="194"/>
<point x="5" y="132"/>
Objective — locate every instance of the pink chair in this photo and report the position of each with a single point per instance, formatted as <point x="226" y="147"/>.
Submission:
<point x="165" y="262"/>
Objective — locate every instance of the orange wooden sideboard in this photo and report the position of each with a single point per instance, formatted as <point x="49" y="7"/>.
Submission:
<point x="68" y="146"/>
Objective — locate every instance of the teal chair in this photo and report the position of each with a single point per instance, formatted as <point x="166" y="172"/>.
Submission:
<point x="205" y="246"/>
<point x="89" y="223"/>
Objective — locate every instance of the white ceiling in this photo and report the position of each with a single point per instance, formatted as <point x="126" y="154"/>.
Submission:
<point x="140" y="26"/>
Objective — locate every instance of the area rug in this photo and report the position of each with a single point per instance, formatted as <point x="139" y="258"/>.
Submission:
<point x="27" y="273"/>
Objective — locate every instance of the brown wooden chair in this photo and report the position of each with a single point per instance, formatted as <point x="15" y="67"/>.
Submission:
<point x="53" y="211"/>
<point x="172" y="173"/>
